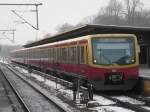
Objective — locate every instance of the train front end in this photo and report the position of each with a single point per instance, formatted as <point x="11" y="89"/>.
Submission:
<point x="114" y="61"/>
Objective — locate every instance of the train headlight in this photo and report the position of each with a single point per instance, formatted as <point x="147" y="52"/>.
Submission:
<point x="95" y="61"/>
<point x="132" y="60"/>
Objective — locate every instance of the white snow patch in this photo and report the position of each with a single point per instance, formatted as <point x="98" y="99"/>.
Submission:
<point x="21" y="70"/>
<point x="53" y="84"/>
<point x="103" y="101"/>
<point x="110" y="109"/>
<point x="6" y="61"/>
<point x="129" y="100"/>
<point x="146" y="107"/>
<point x="38" y="77"/>
<point x="144" y="72"/>
<point x="24" y="71"/>
<point x="69" y="94"/>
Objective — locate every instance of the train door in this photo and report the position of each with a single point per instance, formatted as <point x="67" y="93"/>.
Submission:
<point x="144" y="55"/>
<point x="83" y="59"/>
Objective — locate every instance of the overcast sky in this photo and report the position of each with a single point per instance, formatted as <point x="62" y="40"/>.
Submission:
<point x="51" y="14"/>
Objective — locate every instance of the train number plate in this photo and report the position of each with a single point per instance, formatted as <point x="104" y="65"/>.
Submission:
<point x="116" y="78"/>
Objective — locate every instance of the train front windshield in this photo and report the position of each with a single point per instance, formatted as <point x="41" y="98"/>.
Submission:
<point x="109" y="51"/>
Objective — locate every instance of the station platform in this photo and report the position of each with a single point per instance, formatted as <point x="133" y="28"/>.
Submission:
<point x="144" y="72"/>
<point x="145" y="80"/>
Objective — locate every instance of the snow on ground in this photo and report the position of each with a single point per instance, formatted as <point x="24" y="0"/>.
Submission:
<point x="129" y="100"/>
<point x="146" y="107"/>
<point x="22" y="70"/>
<point x="54" y="84"/>
<point x="38" y="77"/>
<point x="6" y="61"/>
<point x="105" y="105"/>
<point x="103" y="101"/>
<point x="100" y="99"/>
<point x="110" y="109"/>
<point x="144" y="72"/>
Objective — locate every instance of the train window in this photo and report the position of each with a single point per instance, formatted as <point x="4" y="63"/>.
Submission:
<point x="45" y="53"/>
<point x="41" y="54"/>
<point x="58" y="54"/>
<point x="54" y="53"/>
<point x="82" y="55"/>
<point x="69" y="55"/>
<point x="50" y="54"/>
<point x="73" y="55"/>
<point x="64" y="54"/>
<point x="38" y="54"/>
<point x="61" y="57"/>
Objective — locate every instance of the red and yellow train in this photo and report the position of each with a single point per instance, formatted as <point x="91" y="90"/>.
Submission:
<point x="108" y="61"/>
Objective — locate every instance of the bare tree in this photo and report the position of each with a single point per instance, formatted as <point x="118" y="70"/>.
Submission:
<point x="64" y="27"/>
<point x="47" y="35"/>
<point x="114" y="8"/>
<point x="142" y="18"/>
<point x="86" y="20"/>
<point x="6" y="49"/>
<point x="131" y="7"/>
<point x="110" y="14"/>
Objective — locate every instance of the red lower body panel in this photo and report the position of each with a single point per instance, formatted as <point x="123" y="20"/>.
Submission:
<point x="102" y="78"/>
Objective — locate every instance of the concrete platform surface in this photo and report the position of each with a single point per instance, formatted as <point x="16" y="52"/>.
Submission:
<point x="145" y="72"/>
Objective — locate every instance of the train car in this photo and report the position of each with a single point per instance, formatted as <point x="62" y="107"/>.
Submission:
<point x="108" y="61"/>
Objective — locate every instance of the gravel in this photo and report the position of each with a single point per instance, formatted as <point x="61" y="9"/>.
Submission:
<point x="34" y="100"/>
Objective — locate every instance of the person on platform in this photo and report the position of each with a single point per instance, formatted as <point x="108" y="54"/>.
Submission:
<point x="90" y="90"/>
<point x="75" y="89"/>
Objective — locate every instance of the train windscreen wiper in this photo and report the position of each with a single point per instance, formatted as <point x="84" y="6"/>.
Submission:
<point x="106" y="58"/>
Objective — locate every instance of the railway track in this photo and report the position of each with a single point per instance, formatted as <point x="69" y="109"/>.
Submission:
<point x="138" y="105"/>
<point x="142" y="98"/>
<point x="15" y="100"/>
<point x="144" y="106"/>
<point x="34" y="100"/>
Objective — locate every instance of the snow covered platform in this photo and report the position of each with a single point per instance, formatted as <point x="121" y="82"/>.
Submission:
<point x="145" y="73"/>
<point x="145" y="80"/>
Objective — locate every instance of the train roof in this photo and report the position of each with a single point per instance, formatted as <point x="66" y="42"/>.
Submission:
<point x="93" y="29"/>
<point x="75" y="39"/>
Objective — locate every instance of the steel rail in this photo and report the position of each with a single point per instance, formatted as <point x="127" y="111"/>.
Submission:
<point x="23" y="104"/>
<point x="46" y="97"/>
<point x="134" y="107"/>
<point x="142" y="98"/>
<point x="122" y="104"/>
